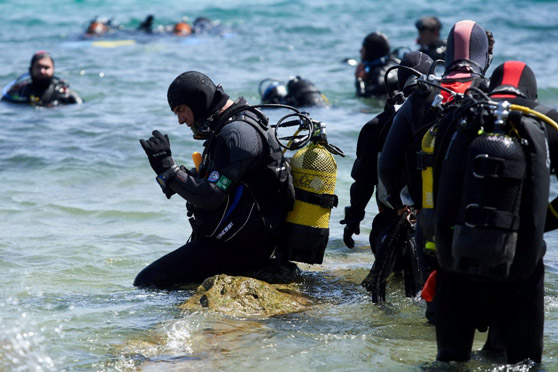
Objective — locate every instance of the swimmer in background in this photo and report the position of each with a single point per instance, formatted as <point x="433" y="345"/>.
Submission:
<point x="298" y="92"/>
<point x="39" y="87"/>
<point x="101" y="27"/>
<point x="376" y="59"/>
<point x="429" y="37"/>
<point x="182" y="28"/>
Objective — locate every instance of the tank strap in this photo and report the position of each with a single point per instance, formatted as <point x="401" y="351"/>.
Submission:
<point x="323" y="200"/>
<point x="424" y="160"/>
<point x="477" y="216"/>
<point x="489" y="166"/>
<point x="239" y="112"/>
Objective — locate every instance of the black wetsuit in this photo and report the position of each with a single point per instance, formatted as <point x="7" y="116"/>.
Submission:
<point x="365" y="168"/>
<point x="513" y="310"/>
<point x="373" y="85"/>
<point x="303" y="93"/>
<point x="397" y="163"/>
<point x="238" y="154"/>
<point x="57" y="93"/>
<point x="415" y="114"/>
<point x="399" y="155"/>
<point x="436" y="50"/>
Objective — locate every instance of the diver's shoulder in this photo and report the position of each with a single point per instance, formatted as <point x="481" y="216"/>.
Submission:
<point x="18" y="89"/>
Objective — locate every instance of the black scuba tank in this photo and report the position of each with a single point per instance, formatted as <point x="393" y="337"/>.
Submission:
<point x="480" y="191"/>
<point x="485" y="235"/>
<point x="491" y="192"/>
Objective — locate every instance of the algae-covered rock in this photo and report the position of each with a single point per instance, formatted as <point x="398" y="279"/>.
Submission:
<point x="244" y="297"/>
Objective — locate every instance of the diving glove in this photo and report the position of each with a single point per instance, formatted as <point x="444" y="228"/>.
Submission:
<point x="158" y="152"/>
<point x="352" y="226"/>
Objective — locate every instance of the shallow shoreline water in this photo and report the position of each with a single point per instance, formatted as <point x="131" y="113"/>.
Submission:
<point x="81" y="213"/>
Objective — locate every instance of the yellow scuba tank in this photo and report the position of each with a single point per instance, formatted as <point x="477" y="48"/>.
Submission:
<point x="427" y="213"/>
<point x="314" y="171"/>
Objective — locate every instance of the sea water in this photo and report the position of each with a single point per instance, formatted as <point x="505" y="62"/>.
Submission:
<point x="81" y="213"/>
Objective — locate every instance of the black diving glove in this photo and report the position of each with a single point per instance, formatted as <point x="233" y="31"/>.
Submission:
<point x="168" y="192"/>
<point x="352" y="226"/>
<point x="158" y="152"/>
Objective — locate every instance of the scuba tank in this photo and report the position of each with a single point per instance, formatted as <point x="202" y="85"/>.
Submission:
<point x="425" y="162"/>
<point x="425" y="158"/>
<point x="306" y="229"/>
<point x="485" y="236"/>
<point x="480" y="194"/>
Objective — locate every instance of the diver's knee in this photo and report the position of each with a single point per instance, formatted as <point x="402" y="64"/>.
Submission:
<point x="141" y="280"/>
<point x="147" y="278"/>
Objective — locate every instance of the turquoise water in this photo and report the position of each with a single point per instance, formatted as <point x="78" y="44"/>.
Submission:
<point x="81" y="214"/>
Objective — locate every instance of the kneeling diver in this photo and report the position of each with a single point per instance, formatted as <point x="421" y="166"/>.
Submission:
<point x="238" y="197"/>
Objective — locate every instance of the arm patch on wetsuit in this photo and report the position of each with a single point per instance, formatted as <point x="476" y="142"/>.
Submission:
<point x="220" y="180"/>
<point x="223" y="183"/>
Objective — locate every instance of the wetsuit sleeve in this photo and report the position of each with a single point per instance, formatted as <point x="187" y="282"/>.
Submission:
<point x="63" y="94"/>
<point x="392" y="159"/>
<point x="18" y="93"/>
<point x="365" y="169"/>
<point x="236" y="152"/>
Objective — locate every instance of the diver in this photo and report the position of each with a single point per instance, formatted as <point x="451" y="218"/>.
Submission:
<point x="376" y="58"/>
<point x="238" y="196"/>
<point x="370" y="143"/>
<point x="466" y="62"/>
<point x="101" y="27"/>
<point x="365" y="168"/>
<point x="182" y="28"/>
<point x="40" y="87"/>
<point x="512" y="308"/>
<point x="147" y="24"/>
<point x="429" y="41"/>
<point x="204" y="25"/>
<point x="298" y="92"/>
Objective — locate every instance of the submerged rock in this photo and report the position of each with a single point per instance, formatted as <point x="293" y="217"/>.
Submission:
<point x="244" y="297"/>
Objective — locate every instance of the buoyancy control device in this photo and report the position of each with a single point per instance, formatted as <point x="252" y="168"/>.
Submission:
<point x="256" y="202"/>
<point x="303" y="234"/>
<point x="491" y="184"/>
<point x="443" y="104"/>
<point x="314" y="170"/>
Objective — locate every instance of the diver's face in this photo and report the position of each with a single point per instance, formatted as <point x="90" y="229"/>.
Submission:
<point x="362" y="52"/>
<point x="43" y="69"/>
<point x="184" y="115"/>
<point x="426" y="37"/>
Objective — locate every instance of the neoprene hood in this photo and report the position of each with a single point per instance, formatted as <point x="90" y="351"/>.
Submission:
<point x="376" y="46"/>
<point x="406" y="78"/>
<point x="515" y="78"/>
<point x="199" y="93"/>
<point x="467" y="50"/>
